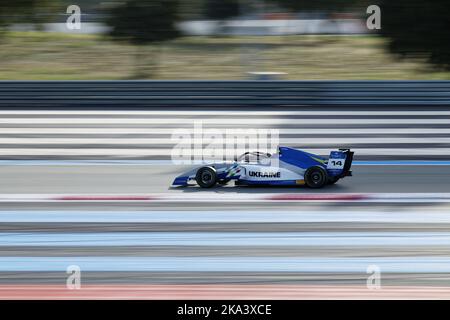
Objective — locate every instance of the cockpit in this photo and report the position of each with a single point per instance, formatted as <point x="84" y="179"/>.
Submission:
<point x="254" y="157"/>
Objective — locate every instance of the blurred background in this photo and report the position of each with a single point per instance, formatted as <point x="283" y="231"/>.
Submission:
<point x="224" y="39"/>
<point x="85" y="168"/>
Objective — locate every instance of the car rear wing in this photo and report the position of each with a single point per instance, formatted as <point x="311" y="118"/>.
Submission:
<point x="348" y="162"/>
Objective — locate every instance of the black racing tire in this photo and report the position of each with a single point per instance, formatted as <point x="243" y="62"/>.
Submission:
<point x="316" y="177"/>
<point x="206" y="177"/>
<point x="333" y="180"/>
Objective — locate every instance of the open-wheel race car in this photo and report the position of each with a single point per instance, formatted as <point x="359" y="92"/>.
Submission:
<point x="286" y="167"/>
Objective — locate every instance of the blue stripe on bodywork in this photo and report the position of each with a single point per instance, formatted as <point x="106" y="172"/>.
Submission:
<point x="180" y="181"/>
<point x="301" y="159"/>
<point x="402" y="163"/>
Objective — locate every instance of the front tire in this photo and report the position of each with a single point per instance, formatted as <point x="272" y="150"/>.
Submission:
<point x="206" y="177"/>
<point x="316" y="177"/>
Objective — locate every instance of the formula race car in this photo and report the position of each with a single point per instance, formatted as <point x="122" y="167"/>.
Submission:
<point x="287" y="167"/>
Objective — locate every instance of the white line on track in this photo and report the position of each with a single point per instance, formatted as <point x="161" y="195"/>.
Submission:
<point x="166" y="152"/>
<point x="197" y="163"/>
<point x="169" y="141"/>
<point x="218" y="121"/>
<point x="421" y="264"/>
<point x="222" y="113"/>
<point x="228" y="216"/>
<point x="189" y="128"/>
<point x="228" y="239"/>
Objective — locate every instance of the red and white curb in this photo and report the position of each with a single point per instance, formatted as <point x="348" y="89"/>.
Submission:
<point x="232" y="198"/>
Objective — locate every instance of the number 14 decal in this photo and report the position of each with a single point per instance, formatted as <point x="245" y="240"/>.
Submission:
<point x="336" y="164"/>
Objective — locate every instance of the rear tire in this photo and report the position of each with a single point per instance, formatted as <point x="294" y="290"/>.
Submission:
<point x="206" y="177"/>
<point x="316" y="177"/>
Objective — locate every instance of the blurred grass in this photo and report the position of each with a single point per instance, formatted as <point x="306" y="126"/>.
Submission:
<point x="52" y="56"/>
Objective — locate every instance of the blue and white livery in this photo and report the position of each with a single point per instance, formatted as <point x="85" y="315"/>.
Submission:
<point x="288" y="167"/>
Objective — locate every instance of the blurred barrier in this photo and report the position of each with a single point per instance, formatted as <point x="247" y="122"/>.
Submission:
<point x="109" y="94"/>
<point x="380" y="132"/>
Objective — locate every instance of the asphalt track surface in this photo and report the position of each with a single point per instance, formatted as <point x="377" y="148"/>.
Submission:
<point x="110" y="179"/>
<point x="183" y="249"/>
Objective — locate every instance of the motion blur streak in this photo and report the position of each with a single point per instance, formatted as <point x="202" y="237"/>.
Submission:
<point x="105" y="104"/>
<point x="380" y="133"/>
<point x="221" y="292"/>
<point x="187" y="216"/>
<point x="96" y="193"/>
<point x="301" y="245"/>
